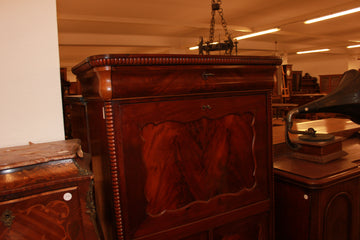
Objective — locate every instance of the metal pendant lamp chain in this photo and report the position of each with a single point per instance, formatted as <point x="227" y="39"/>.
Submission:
<point x="216" y="6"/>
<point x="210" y="45"/>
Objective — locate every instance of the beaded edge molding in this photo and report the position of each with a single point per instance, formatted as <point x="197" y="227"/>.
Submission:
<point x="144" y="60"/>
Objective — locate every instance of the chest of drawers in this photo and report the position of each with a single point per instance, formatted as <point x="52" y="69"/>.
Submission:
<point x="181" y="145"/>
<point x="46" y="193"/>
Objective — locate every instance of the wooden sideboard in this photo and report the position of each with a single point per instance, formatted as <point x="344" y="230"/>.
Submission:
<point x="181" y="145"/>
<point x="46" y="193"/>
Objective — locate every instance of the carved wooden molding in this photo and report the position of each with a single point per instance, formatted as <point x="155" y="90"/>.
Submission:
<point x="128" y="60"/>
<point x="109" y="118"/>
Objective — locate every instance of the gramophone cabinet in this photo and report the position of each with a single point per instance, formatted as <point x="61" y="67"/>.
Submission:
<point x="318" y="201"/>
<point x="181" y="145"/>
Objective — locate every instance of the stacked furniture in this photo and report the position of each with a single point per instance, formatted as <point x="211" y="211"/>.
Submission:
<point x="181" y="145"/>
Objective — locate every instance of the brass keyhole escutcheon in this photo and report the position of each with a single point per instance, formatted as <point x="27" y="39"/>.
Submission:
<point x="206" y="107"/>
<point x="7" y="218"/>
<point x="206" y="75"/>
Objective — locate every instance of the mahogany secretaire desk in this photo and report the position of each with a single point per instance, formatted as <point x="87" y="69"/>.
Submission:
<point x="181" y="145"/>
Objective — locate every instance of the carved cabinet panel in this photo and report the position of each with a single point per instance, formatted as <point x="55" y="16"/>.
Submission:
<point x="181" y="145"/>
<point x="188" y="158"/>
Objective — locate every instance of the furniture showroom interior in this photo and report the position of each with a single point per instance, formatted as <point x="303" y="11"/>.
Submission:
<point x="180" y="120"/>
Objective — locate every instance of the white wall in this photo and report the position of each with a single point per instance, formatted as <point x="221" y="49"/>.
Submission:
<point x="30" y="95"/>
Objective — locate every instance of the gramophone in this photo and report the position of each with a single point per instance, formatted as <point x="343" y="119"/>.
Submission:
<point x="345" y="100"/>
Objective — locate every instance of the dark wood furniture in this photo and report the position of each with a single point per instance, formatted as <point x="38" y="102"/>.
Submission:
<point x="281" y="109"/>
<point x="46" y="193"/>
<point x="77" y="118"/>
<point x="296" y="81"/>
<point x="303" y="98"/>
<point x="70" y="92"/>
<point x="318" y="201"/>
<point x="329" y="82"/>
<point x="309" y="84"/>
<point x="181" y="145"/>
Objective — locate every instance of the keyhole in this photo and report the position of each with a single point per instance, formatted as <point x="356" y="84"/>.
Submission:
<point x="206" y="107"/>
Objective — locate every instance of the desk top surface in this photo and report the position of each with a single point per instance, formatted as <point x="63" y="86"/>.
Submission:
<point x="316" y="174"/>
<point x="21" y="156"/>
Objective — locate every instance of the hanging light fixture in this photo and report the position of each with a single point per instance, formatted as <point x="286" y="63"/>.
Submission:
<point x="209" y="46"/>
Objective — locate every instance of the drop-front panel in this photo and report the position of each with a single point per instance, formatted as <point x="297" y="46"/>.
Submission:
<point x="181" y="145"/>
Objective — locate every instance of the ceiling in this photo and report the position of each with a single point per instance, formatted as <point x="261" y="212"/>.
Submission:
<point x="90" y="27"/>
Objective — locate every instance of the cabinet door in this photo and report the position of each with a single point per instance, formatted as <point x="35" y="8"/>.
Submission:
<point x="339" y="208"/>
<point x="292" y="211"/>
<point x="181" y="161"/>
<point x="47" y="216"/>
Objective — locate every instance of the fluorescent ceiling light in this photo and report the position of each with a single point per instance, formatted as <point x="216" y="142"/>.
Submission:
<point x="313" y="51"/>
<point x="257" y="33"/>
<point x="353" y="46"/>
<point x="354" y="10"/>
<point x="197" y="47"/>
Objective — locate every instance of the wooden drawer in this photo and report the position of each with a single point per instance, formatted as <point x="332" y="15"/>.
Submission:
<point x="150" y="81"/>
<point x="126" y="76"/>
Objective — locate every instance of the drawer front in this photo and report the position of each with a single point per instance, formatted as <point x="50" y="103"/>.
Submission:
<point x="186" y="160"/>
<point x="144" y="81"/>
<point x="51" y="215"/>
<point x="121" y="76"/>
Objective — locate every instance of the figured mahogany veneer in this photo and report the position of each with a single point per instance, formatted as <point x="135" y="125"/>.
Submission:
<point x="181" y="145"/>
